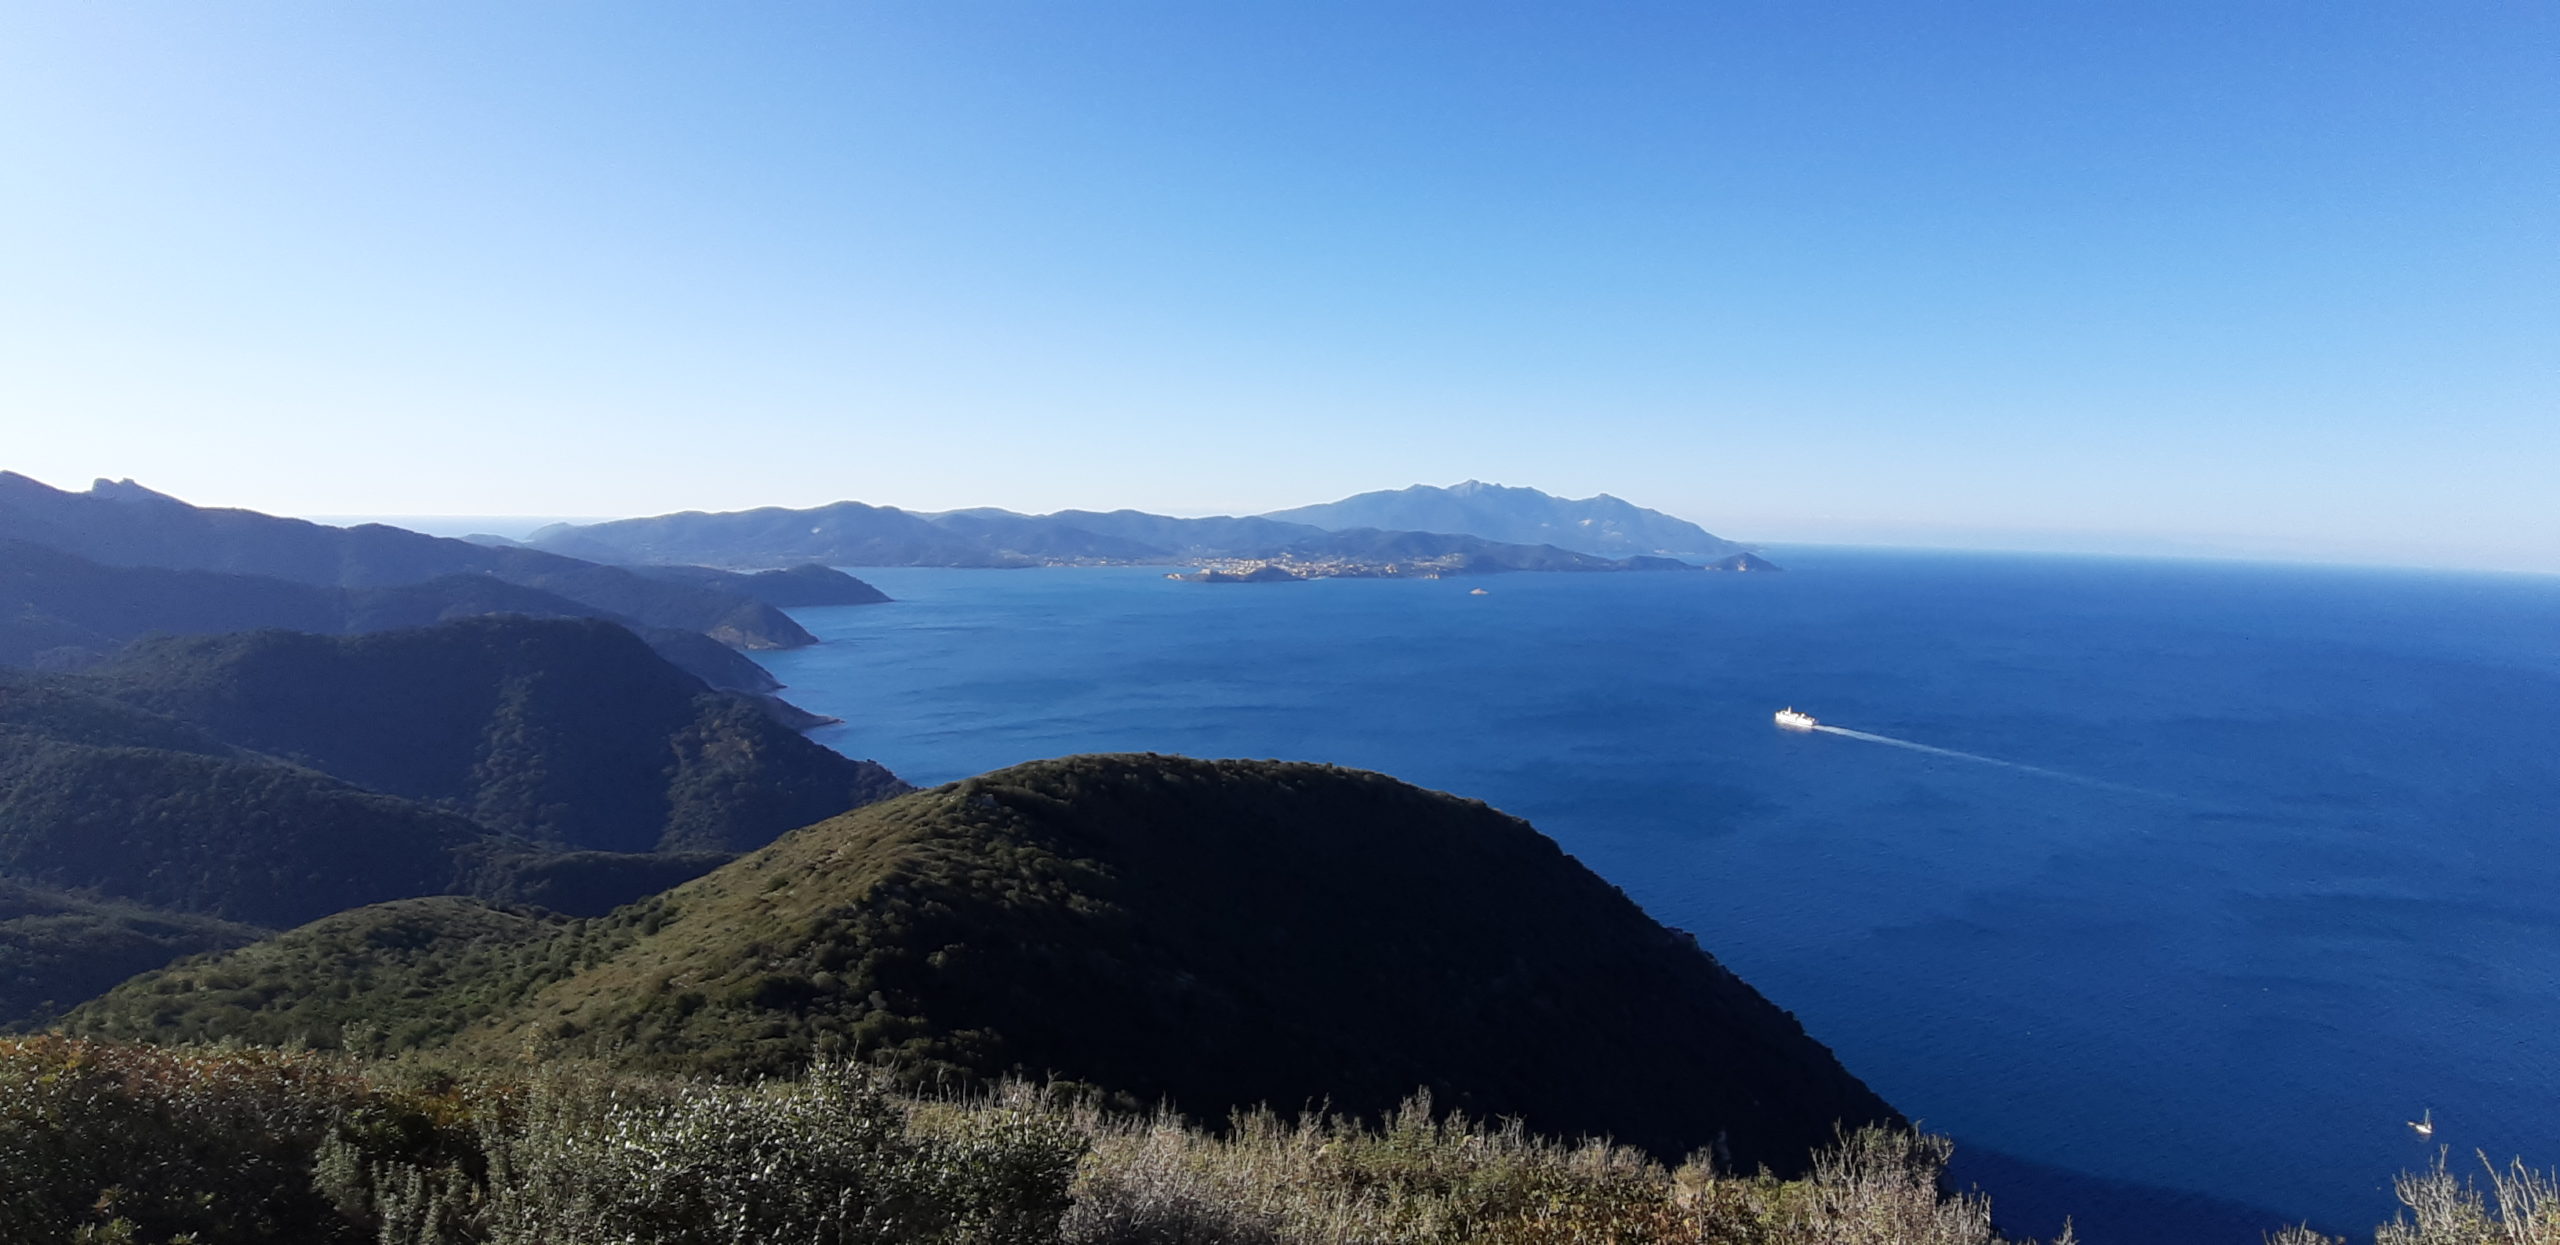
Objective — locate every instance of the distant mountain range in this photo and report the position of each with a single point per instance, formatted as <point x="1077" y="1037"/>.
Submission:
<point x="1601" y="525"/>
<point x="81" y="574"/>
<point x="1472" y="528"/>
<point x="62" y="611"/>
<point x="122" y="524"/>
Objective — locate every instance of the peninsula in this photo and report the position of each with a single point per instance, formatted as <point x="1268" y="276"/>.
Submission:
<point x="1419" y="532"/>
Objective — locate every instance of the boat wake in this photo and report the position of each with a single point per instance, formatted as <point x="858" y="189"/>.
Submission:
<point x="1976" y="756"/>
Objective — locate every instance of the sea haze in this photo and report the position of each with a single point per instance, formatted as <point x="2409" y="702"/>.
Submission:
<point x="2285" y="871"/>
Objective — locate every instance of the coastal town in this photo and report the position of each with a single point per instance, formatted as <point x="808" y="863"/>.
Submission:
<point x="1275" y="570"/>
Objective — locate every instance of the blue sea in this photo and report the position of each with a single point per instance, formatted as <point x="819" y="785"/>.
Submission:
<point x="2284" y="874"/>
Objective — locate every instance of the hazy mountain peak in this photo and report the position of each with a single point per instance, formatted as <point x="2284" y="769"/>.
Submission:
<point x="126" y="490"/>
<point x="1601" y="524"/>
<point x="118" y="523"/>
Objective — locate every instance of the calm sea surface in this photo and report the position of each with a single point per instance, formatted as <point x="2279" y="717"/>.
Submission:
<point x="2286" y="874"/>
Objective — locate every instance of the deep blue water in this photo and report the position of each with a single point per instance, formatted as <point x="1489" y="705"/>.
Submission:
<point x="2309" y="886"/>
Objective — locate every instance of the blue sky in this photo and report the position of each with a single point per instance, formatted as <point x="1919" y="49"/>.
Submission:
<point x="2264" y="278"/>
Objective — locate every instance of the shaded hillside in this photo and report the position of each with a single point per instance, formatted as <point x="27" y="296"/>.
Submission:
<point x="58" y="948"/>
<point x="561" y="731"/>
<point x="847" y="533"/>
<point x="74" y="711"/>
<point x="789" y="588"/>
<point x="1220" y="933"/>
<point x="510" y="873"/>
<point x="62" y="611"/>
<point x="58" y="609"/>
<point x="124" y="524"/>
<point x="161" y="823"/>
<point x="116" y="800"/>
<point x="238" y="838"/>
<point x="1601" y="525"/>
<point x="158" y="828"/>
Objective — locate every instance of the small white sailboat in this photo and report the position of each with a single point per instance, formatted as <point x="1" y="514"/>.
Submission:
<point x="2425" y="1124"/>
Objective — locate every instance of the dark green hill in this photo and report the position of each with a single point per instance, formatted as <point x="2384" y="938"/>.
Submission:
<point x="370" y="968"/>
<point x="245" y="840"/>
<point x="512" y="873"/>
<point x="187" y="778"/>
<point x="115" y="799"/>
<point x="161" y="843"/>
<point x="59" y="609"/>
<point x="72" y="711"/>
<point x="58" y="948"/>
<point x="415" y="971"/>
<point x="125" y="524"/>
<point x="1219" y="933"/>
<point x="567" y="732"/>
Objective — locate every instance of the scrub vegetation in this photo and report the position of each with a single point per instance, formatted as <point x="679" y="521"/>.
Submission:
<point x="117" y="1142"/>
<point x="1217" y="934"/>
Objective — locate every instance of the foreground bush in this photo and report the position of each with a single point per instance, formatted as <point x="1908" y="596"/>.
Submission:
<point x="113" y="1142"/>
<point x="1426" y="1179"/>
<point x="106" y="1142"/>
<point x="830" y="1159"/>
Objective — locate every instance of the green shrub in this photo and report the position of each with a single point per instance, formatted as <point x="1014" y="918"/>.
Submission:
<point x="105" y="1143"/>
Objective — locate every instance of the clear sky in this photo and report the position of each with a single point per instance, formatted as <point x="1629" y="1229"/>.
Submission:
<point x="2239" y="277"/>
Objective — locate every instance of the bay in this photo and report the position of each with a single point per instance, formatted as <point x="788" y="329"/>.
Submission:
<point x="2242" y="867"/>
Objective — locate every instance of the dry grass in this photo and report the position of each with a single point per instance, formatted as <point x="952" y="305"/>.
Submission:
<point x="107" y="1142"/>
<point x="1426" y="1178"/>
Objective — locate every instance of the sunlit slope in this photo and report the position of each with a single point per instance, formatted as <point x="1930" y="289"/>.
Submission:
<point x="1220" y="933"/>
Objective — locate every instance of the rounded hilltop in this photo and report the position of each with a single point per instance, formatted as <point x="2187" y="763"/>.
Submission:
<point x="1216" y="934"/>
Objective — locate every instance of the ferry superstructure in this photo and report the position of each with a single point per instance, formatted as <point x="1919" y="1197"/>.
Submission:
<point x="1794" y="721"/>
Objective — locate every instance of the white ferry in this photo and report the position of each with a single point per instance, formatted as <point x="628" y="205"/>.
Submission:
<point x="1795" y="721"/>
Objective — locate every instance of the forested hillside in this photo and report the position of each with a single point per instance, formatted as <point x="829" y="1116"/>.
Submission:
<point x="560" y="731"/>
<point x="198" y="787"/>
<point x="1215" y="934"/>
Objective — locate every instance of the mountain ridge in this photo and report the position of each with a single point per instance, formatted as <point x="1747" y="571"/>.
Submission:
<point x="1497" y="530"/>
<point x="1601" y="525"/>
<point x="59" y="610"/>
<point x="558" y="730"/>
<point x="123" y="524"/>
<point x="196" y="787"/>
